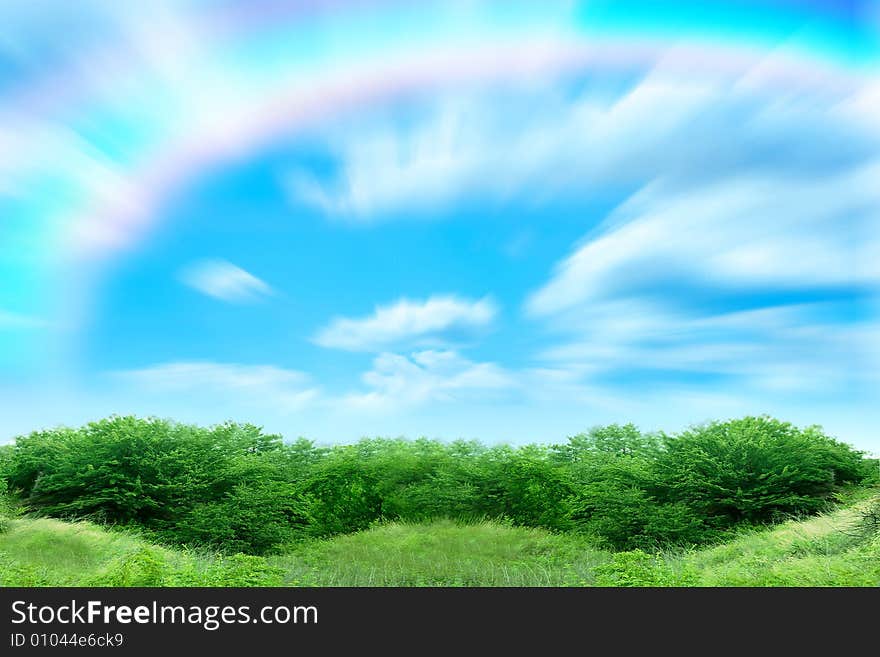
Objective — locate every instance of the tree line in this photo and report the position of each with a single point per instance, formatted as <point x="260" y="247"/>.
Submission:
<point x="234" y="488"/>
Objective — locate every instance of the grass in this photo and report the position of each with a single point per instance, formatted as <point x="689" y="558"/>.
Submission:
<point x="827" y="550"/>
<point x="44" y="551"/>
<point x="833" y="549"/>
<point x="48" y="552"/>
<point x="443" y="553"/>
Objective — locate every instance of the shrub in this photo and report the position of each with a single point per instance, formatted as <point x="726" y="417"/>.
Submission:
<point x="753" y="470"/>
<point x="532" y="489"/>
<point x="612" y="470"/>
<point x="162" y="476"/>
<point x="611" y="440"/>
<point x="344" y="491"/>
<point x="235" y="489"/>
<point x="871" y="472"/>
<point x="256" y="518"/>
<point x="626" y="518"/>
<point x="7" y="507"/>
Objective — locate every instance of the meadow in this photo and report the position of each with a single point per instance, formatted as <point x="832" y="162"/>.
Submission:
<point x="145" y="502"/>
<point x="833" y="549"/>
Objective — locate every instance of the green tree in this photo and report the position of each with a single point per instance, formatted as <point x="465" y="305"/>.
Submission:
<point x="753" y="469"/>
<point x="253" y="518"/>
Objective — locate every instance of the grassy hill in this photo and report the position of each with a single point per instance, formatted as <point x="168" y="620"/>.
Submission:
<point x="840" y="548"/>
<point x="443" y="553"/>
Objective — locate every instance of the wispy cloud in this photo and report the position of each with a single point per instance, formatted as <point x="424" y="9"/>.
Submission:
<point x="549" y="142"/>
<point x="394" y="383"/>
<point x="397" y="381"/>
<point x="407" y="321"/>
<point x="744" y="262"/>
<point x="773" y="231"/>
<point x="225" y="281"/>
<point x="283" y="389"/>
<point x="705" y="286"/>
<point x="797" y="350"/>
<point x="389" y="168"/>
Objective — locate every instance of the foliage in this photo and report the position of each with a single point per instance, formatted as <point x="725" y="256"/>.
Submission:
<point x="612" y="440"/>
<point x="635" y="568"/>
<point x="871" y="472"/>
<point x="151" y="567"/>
<point x="6" y="454"/>
<point x="256" y="518"/>
<point x="158" y="475"/>
<point x="834" y="549"/>
<point x="754" y="470"/>
<point x="8" y="508"/>
<point x="235" y="489"/>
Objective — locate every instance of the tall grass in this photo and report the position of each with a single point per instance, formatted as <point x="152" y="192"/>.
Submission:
<point x="443" y="553"/>
<point x="834" y="549"/>
<point x="839" y="548"/>
<point x="48" y="552"/>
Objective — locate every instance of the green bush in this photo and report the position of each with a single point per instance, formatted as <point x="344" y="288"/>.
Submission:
<point x="535" y="490"/>
<point x="7" y="452"/>
<point x="755" y="469"/>
<point x="613" y="477"/>
<point x="611" y="440"/>
<point x="871" y="472"/>
<point x="257" y="519"/>
<point x="355" y="486"/>
<point x="234" y="489"/>
<point x="345" y="492"/>
<point x="8" y="507"/>
<point x="163" y="476"/>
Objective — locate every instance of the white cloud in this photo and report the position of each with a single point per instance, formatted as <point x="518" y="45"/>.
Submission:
<point x="398" y="381"/>
<point x="800" y="349"/>
<point x="427" y="167"/>
<point x="541" y="143"/>
<point x="484" y="144"/>
<point x="395" y="383"/>
<point x="661" y="284"/>
<point x="747" y="232"/>
<point x="280" y="388"/>
<point x="406" y="321"/>
<point x="225" y="281"/>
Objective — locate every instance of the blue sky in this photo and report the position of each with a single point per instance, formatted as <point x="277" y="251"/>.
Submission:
<point x="504" y="221"/>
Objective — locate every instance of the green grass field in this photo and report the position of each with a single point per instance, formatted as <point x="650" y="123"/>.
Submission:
<point x="443" y="553"/>
<point x="834" y="549"/>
